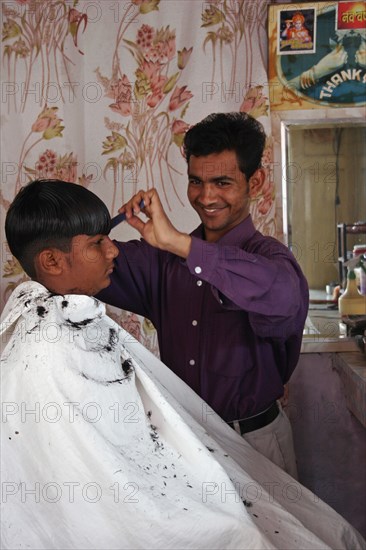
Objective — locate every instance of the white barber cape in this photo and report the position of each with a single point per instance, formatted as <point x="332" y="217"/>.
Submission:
<point x="103" y="447"/>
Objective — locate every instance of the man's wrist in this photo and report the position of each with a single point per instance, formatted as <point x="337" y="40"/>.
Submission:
<point x="181" y="246"/>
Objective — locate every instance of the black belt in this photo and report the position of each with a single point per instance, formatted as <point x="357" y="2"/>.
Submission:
<point x="255" y="422"/>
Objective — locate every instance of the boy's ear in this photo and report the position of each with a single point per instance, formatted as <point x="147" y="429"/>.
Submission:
<point x="50" y="261"/>
<point x="256" y="181"/>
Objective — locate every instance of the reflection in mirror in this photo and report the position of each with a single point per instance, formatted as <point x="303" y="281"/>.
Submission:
<point x="324" y="185"/>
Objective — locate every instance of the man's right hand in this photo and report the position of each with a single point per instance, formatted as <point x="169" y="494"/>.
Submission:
<point x="158" y="230"/>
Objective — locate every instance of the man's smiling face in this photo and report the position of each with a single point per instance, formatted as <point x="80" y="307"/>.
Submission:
<point x="218" y="191"/>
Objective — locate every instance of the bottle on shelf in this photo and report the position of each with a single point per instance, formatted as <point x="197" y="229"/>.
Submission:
<point x="359" y="251"/>
<point x="352" y="302"/>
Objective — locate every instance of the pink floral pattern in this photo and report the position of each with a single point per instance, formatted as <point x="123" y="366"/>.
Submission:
<point x="149" y="100"/>
<point x="48" y="123"/>
<point x="51" y="165"/>
<point x="146" y="92"/>
<point x="146" y="5"/>
<point x="254" y="103"/>
<point x="141" y="329"/>
<point x="263" y="196"/>
<point x="121" y="92"/>
<point x="179" y="97"/>
<point x="36" y="35"/>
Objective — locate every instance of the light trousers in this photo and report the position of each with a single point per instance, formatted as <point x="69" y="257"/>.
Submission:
<point x="275" y="441"/>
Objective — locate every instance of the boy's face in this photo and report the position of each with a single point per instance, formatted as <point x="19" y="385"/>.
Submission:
<point x="89" y="264"/>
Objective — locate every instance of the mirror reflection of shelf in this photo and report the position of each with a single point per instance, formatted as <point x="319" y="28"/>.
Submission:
<point x="344" y="229"/>
<point x="319" y="298"/>
<point x="323" y="317"/>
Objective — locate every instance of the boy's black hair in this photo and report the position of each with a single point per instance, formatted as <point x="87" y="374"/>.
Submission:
<point x="49" y="213"/>
<point x="237" y="132"/>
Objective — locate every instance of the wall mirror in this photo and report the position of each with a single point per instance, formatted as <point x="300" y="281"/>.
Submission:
<point x="324" y="184"/>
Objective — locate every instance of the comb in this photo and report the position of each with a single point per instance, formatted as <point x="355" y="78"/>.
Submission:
<point x="121" y="217"/>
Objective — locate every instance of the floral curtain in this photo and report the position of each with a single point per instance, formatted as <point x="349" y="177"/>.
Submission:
<point x="101" y="93"/>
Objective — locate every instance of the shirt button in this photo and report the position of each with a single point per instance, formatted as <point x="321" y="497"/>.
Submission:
<point x="192" y="362"/>
<point x="194" y="323"/>
<point x="199" y="283"/>
<point x="197" y="269"/>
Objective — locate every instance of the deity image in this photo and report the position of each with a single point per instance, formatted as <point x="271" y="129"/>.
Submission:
<point x="296" y="30"/>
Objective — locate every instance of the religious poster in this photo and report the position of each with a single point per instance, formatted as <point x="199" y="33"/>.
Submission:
<point x="296" y="31"/>
<point x="317" y="55"/>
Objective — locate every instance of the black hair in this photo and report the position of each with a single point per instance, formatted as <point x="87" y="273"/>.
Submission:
<point x="237" y="132"/>
<point x="49" y="213"/>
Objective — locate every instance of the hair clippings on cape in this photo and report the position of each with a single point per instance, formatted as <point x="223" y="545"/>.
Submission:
<point x="121" y="217"/>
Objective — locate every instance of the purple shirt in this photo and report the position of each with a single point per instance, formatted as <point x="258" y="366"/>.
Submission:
<point x="229" y="318"/>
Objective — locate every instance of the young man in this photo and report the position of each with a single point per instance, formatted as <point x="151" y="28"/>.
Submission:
<point x="96" y="452"/>
<point x="229" y="305"/>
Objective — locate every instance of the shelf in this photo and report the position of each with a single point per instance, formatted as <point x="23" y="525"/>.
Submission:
<point x="344" y="229"/>
<point x="354" y="229"/>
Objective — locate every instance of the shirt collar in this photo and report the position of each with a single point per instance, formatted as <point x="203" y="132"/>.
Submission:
<point x="237" y="236"/>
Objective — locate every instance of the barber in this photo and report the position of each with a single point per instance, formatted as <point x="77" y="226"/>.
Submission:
<point x="229" y="304"/>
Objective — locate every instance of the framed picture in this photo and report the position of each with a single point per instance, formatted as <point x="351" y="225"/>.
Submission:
<point x="297" y="31"/>
<point x="317" y="55"/>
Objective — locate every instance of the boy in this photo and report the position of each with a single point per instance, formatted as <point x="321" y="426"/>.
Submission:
<point x="96" y="453"/>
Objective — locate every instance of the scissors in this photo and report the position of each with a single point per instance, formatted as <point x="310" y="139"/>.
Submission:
<point x="121" y="217"/>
